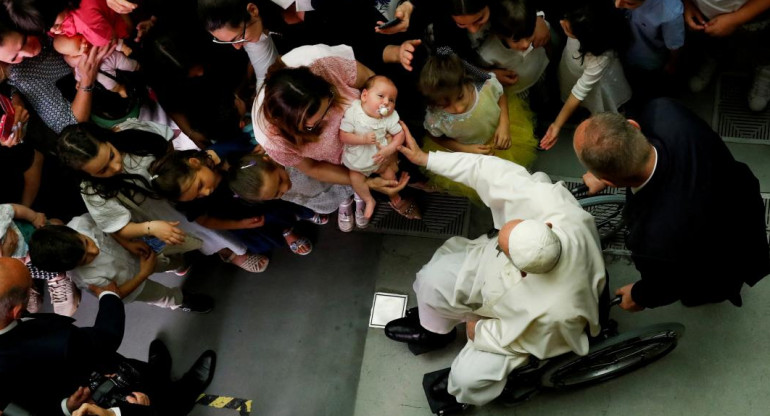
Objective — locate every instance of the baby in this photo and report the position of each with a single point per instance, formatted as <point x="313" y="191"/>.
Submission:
<point x="363" y="130"/>
<point x="76" y="48"/>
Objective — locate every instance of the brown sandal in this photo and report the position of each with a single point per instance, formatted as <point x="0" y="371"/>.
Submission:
<point x="408" y="208"/>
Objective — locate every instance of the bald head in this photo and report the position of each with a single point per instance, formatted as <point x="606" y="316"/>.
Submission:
<point x="613" y="149"/>
<point x="15" y="282"/>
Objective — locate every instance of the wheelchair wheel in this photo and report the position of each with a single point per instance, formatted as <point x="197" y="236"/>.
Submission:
<point x="607" y="211"/>
<point x="613" y="357"/>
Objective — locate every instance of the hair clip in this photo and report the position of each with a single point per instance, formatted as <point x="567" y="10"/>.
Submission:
<point x="250" y="164"/>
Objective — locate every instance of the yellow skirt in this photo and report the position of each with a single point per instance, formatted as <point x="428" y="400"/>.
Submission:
<point x="521" y="152"/>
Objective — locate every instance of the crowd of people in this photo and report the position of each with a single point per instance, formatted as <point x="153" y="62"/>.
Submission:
<point x="132" y="134"/>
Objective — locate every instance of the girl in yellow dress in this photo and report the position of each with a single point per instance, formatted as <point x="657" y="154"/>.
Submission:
<point x="472" y="115"/>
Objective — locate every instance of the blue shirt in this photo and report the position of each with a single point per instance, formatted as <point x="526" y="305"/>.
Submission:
<point x="658" y="26"/>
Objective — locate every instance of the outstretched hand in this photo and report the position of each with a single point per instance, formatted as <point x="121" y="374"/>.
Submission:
<point x="411" y="150"/>
<point x="551" y="137"/>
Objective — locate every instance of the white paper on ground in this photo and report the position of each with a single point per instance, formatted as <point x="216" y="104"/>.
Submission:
<point x="387" y="307"/>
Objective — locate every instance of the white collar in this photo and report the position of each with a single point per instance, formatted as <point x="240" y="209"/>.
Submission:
<point x="9" y="327"/>
<point x="655" y="166"/>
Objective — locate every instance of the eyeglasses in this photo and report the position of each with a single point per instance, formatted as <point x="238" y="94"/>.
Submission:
<point x="238" y="40"/>
<point x="317" y="124"/>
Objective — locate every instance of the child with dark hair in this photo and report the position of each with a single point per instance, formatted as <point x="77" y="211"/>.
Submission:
<point x="195" y="179"/>
<point x="117" y="191"/>
<point x="473" y="116"/>
<point x="590" y="73"/>
<point x="513" y="22"/>
<point x="93" y="258"/>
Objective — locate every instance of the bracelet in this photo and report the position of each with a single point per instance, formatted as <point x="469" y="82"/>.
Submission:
<point x="86" y="89"/>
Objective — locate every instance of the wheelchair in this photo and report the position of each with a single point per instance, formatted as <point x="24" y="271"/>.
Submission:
<point x="611" y="353"/>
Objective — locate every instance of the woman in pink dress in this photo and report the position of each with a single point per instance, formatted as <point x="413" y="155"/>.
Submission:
<point x="297" y="118"/>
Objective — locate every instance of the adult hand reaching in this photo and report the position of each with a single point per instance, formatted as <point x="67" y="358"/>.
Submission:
<point x="89" y="67"/>
<point x="406" y="53"/>
<point x="410" y="149"/>
<point x="388" y="187"/>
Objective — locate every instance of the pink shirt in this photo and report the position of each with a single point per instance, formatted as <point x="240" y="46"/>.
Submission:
<point x="96" y="22"/>
<point x="337" y="65"/>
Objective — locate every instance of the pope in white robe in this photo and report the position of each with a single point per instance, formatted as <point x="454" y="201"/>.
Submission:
<point x="517" y="314"/>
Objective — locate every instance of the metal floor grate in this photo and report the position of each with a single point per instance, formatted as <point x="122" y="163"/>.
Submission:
<point x="733" y="119"/>
<point x="617" y="245"/>
<point x="443" y="216"/>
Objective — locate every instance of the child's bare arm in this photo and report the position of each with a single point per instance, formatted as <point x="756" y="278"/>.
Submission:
<point x="21" y="212"/>
<point x="503" y="131"/>
<point x="146" y="269"/>
<point x="356" y="139"/>
<point x="222" y="224"/>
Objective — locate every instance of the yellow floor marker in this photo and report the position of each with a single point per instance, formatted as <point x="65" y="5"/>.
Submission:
<point x="243" y="406"/>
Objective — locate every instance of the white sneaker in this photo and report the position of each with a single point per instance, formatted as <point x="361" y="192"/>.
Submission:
<point x="345" y="216"/>
<point x="702" y="78"/>
<point x="361" y="220"/>
<point x="65" y="297"/>
<point x="759" y="94"/>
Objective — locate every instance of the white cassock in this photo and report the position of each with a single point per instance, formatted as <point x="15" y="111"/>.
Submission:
<point x="544" y="315"/>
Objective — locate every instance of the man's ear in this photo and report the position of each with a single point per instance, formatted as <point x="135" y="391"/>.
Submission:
<point x="194" y="162"/>
<point x="609" y="183"/>
<point x="252" y="9"/>
<point x="16" y="311"/>
<point x="634" y="123"/>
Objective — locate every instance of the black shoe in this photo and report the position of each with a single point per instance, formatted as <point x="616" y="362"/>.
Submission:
<point x="410" y="331"/>
<point x="202" y="372"/>
<point x="440" y="401"/>
<point x="193" y="302"/>
<point x="159" y="359"/>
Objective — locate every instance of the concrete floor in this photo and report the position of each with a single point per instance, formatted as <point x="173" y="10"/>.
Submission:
<point x="295" y="339"/>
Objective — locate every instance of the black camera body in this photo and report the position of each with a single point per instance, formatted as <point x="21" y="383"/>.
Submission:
<point x="110" y="392"/>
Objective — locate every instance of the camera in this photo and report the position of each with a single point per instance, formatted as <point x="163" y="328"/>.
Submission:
<point x="111" y="391"/>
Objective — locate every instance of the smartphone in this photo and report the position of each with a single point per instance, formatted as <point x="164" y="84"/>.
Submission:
<point x="389" y="23"/>
<point x="155" y="244"/>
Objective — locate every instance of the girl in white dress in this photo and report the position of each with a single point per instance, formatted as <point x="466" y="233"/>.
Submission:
<point x="590" y="73"/>
<point x="116" y="190"/>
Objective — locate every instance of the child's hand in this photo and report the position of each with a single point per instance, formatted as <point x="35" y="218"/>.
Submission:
<point x="167" y="231"/>
<point x="506" y="76"/>
<point x="722" y="25"/>
<point x="254" y="222"/>
<point x="693" y="17"/>
<point x="503" y="136"/>
<point x="542" y="33"/>
<point x="39" y="220"/>
<point x="551" y="137"/>
<point x="482" y="149"/>
<point x="143" y="27"/>
<point x="382" y="154"/>
<point x="370" y="138"/>
<point x="147" y="264"/>
<point x="137" y="247"/>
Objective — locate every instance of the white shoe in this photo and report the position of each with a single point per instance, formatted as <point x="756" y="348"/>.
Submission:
<point x="759" y="94"/>
<point x="702" y="78"/>
<point x="65" y="297"/>
<point x="361" y="220"/>
<point x="345" y="216"/>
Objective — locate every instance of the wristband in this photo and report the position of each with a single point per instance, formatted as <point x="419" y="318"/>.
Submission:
<point x="86" y="89"/>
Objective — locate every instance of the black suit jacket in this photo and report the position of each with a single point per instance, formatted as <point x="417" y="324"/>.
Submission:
<point x="45" y="359"/>
<point x="697" y="228"/>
